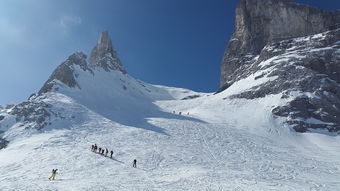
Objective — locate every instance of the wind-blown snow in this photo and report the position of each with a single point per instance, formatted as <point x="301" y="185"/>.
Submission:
<point x="216" y="144"/>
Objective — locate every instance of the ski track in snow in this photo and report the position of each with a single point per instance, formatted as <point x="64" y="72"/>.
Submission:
<point x="222" y="145"/>
<point x="199" y="155"/>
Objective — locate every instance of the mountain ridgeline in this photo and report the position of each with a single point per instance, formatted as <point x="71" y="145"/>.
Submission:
<point x="279" y="48"/>
<point x="297" y="45"/>
<point x="280" y="73"/>
<point x="36" y="113"/>
<point x="103" y="55"/>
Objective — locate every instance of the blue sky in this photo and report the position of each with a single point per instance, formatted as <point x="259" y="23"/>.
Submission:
<point x="170" y="42"/>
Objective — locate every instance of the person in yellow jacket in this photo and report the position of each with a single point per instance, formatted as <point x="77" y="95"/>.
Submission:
<point x="106" y="152"/>
<point x="54" y="172"/>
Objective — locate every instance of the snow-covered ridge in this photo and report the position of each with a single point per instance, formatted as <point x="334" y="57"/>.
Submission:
<point x="101" y="85"/>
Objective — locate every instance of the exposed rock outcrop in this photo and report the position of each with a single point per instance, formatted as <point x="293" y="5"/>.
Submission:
<point x="305" y="70"/>
<point x="65" y="72"/>
<point x="34" y="114"/>
<point x="3" y="143"/>
<point x="308" y="71"/>
<point x="259" y="22"/>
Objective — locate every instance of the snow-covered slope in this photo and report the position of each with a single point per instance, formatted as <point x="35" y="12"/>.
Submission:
<point x="223" y="144"/>
<point x="218" y="142"/>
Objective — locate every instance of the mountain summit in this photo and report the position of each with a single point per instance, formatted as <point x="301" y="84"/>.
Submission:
<point x="74" y="74"/>
<point x="104" y="55"/>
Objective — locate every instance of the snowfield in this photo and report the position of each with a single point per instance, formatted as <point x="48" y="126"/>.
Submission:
<point x="217" y="143"/>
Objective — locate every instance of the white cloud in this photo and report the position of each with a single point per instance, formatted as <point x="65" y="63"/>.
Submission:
<point x="68" y="21"/>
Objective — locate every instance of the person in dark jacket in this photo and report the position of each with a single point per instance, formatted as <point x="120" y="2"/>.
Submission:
<point x="111" y="154"/>
<point x="134" y="163"/>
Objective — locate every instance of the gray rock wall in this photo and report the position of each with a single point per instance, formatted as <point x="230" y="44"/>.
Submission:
<point x="259" y="22"/>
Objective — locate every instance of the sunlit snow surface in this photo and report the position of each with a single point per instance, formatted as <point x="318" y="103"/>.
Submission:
<point x="223" y="144"/>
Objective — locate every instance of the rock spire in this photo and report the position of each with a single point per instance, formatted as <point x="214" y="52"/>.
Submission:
<point x="104" y="55"/>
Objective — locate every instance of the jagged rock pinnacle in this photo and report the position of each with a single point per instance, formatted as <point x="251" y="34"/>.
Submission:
<point x="104" y="55"/>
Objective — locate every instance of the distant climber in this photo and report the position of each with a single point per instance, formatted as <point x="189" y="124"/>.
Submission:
<point x="106" y="152"/>
<point x="111" y="154"/>
<point x="134" y="163"/>
<point x="54" y="172"/>
<point x="180" y="113"/>
<point x="100" y="150"/>
<point x="92" y="148"/>
<point x="95" y="147"/>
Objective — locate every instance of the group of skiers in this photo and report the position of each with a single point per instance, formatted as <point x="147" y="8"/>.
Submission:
<point x="106" y="152"/>
<point x="101" y="151"/>
<point x="179" y="113"/>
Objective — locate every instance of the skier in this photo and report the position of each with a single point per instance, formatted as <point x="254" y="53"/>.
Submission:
<point x="106" y="152"/>
<point x="111" y="154"/>
<point x="134" y="163"/>
<point x="54" y="172"/>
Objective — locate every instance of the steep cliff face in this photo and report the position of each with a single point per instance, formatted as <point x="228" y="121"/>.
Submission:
<point x="280" y="43"/>
<point x="259" y="22"/>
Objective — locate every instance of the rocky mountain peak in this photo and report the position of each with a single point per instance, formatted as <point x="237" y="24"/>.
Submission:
<point x="65" y="72"/>
<point x="104" y="44"/>
<point x="104" y="55"/>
